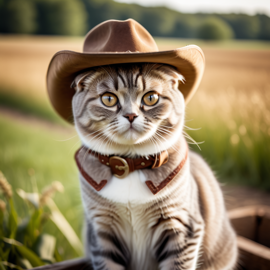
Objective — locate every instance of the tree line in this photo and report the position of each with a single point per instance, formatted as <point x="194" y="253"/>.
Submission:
<point x="77" y="17"/>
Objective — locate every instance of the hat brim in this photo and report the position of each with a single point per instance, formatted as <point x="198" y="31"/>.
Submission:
<point x="66" y="65"/>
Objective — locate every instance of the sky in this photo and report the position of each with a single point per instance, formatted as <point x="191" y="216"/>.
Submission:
<point x="245" y="6"/>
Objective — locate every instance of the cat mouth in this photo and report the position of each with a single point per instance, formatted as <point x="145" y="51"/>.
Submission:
<point x="129" y="129"/>
<point x="130" y="134"/>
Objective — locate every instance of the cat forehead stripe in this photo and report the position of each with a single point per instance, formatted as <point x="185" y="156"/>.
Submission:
<point x="126" y="76"/>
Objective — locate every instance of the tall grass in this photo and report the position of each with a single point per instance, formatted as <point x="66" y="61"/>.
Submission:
<point x="235" y="131"/>
<point x="33" y="157"/>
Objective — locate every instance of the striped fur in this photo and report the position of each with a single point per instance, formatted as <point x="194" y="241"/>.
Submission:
<point x="185" y="225"/>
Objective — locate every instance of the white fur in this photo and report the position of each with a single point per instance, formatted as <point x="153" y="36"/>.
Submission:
<point x="144" y="148"/>
<point x="131" y="189"/>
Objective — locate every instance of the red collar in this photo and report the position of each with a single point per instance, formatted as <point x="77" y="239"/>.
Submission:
<point x="122" y="166"/>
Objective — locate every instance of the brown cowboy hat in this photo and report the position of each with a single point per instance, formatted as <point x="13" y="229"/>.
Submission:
<point x="116" y="42"/>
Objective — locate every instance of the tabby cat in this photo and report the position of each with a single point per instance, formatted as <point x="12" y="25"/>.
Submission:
<point x="169" y="217"/>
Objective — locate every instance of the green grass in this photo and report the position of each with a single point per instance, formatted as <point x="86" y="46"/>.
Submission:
<point x="246" y="163"/>
<point x="227" y="44"/>
<point x="30" y="106"/>
<point x="236" y="142"/>
<point x="32" y="156"/>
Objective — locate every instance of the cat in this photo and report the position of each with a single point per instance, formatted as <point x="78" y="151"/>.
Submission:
<point x="169" y="217"/>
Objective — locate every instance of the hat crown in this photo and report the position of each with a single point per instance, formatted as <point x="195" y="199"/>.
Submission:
<point x="119" y="36"/>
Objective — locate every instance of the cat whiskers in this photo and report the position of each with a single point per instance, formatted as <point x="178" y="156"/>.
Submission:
<point x="94" y="148"/>
<point x="153" y="140"/>
<point x="85" y="155"/>
<point x="104" y="136"/>
<point x="190" y="138"/>
<point x="157" y="133"/>
<point x="172" y="127"/>
<point x="88" y="135"/>
<point x="104" y="139"/>
<point x="67" y="139"/>
<point x="104" y="130"/>
<point x="110" y="141"/>
<point x="186" y="135"/>
<point x="189" y="128"/>
<point x="168" y="132"/>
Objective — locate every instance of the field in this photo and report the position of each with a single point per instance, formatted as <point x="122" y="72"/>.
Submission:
<point x="24" y="62"/>
<point x="230" y="112"/>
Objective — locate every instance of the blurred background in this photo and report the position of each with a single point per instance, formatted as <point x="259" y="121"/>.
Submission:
<point x="229" y="115"/>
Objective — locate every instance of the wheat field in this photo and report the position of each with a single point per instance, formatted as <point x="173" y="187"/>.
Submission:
<point x="24" y="62"/>
<point x="231" y="107"/>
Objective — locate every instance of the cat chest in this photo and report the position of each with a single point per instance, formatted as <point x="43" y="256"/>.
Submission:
<point x="131" y="189"/>
<point x="138" y="236"/>
<point x="143" y="229"/>
<point x="138" y="226"/>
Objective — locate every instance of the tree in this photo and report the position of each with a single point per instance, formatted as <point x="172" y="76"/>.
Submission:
<point x="214" y="28"/>
<point x="102" y="10"/>
<point x="99" y="11"/>
<point x="245" y="26"/>
<point x="264" y="32"/>
<point x="61" y="17"/>
<point x="159" y="21"/>
<point x="127" y="11"/>
<point x="18" y="16"/>
<point x="185" y="26"/>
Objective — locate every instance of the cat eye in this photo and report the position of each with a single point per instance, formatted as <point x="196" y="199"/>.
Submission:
<point x="109" y="99"/>
<point x="150" y="98"/>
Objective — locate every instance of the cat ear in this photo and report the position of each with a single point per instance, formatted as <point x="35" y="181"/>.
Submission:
<point x="179" y="76"/>
<point x="77" y="84"/>
<point x="178" y="79"/>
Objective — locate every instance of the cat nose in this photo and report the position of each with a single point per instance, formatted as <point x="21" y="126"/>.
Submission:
<point x="131" y="116"/>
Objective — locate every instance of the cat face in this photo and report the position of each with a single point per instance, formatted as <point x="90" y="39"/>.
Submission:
<point x="129" y="109"/>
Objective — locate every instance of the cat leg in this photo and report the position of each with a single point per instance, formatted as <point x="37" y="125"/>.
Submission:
<point x="177" y="249"/>
<point x="105" y="250"/>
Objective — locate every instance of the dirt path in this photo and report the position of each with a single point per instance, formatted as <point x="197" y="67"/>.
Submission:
<point x="235" y="196"/>
<point x="239" y="196"/>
